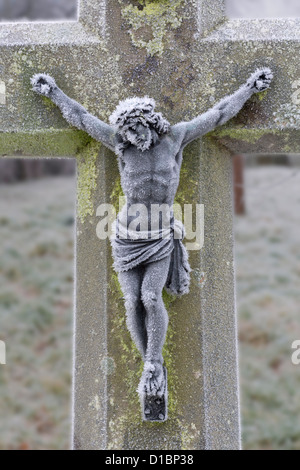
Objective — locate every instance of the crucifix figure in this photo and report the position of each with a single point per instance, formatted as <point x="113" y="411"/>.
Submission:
<point x="149" y="152"/>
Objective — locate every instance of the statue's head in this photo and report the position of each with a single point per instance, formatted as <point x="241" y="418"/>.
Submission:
<point x="137" y="123"/>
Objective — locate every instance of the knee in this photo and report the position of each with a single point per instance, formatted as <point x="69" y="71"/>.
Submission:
<point x="150" y="299"/>
<point x="131" y="303"/>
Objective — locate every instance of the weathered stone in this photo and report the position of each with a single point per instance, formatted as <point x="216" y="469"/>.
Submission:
<point x="200" y="349"/>
<point x="188" y="68"/>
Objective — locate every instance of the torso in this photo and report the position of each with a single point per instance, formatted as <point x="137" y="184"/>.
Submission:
<point x="152" y="176"/>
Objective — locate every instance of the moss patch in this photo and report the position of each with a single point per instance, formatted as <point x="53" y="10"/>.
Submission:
<point x="52" y="142"/>
<point x="116" y="194"/>
<point x="246" y="135"/>
<point x="87" y="179"/>
<point x="150" y="21"/>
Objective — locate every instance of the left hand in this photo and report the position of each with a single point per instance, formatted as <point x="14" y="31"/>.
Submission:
<point x="260" y="80"/>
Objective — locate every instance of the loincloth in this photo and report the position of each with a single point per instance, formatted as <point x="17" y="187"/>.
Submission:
<point x="132" y="253"/>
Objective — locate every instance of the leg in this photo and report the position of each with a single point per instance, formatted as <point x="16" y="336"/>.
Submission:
<point x="131" y="282"/>
<point x="153" y="380"/>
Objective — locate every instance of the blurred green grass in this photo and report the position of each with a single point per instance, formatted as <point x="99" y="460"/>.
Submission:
<point x="36" y="303"/>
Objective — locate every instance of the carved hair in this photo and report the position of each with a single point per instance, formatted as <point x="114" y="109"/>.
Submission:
<point x="133" y="111"/>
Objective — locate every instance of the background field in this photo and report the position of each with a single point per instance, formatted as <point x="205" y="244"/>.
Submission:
<point x="36" y="302"/>
<point x="268" y="285"/>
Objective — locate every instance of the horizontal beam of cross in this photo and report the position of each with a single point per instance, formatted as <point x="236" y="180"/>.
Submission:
<point x="216" y="64"/>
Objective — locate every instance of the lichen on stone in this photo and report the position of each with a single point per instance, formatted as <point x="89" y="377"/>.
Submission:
<point x="49" y="143"/>
<point x="243" y="134"/>
<point x="189" y="435"/>
<point x="154" y="17"/>
<point x="288" y="116"/>
<point x="87" y="179"/>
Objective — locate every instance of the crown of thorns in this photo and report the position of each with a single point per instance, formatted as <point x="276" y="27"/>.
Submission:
<point x="132" y="111"/>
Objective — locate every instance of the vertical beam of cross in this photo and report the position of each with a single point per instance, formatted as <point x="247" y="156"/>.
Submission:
<point x="186" y="58"/>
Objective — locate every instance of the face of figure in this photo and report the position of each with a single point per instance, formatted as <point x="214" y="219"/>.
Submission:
<point x="140" y="136"/>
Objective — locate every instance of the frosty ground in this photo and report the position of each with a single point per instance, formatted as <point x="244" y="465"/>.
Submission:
<point x="36" y="299"/>
<point x="268" y="282"/>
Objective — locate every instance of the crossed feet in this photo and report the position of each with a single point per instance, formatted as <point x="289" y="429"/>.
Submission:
<point x="153" y="382"/>
<point x="153" y="391"/>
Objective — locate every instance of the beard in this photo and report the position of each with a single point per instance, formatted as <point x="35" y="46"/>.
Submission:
<point x="139" y="143"/>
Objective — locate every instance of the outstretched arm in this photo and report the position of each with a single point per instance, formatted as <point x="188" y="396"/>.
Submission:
<point x="73" y="112"/>
<point x="227" y="108"/>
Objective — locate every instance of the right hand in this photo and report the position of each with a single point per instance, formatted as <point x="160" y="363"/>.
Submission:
<point x="43" y="84"/>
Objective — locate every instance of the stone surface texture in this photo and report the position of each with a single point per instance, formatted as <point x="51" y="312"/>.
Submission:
<point x="186" y="55"/>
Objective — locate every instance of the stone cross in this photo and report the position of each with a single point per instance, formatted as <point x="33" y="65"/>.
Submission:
<point x="186" y="55"/>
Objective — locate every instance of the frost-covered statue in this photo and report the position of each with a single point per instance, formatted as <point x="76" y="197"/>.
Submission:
<point x="146" y="257"/>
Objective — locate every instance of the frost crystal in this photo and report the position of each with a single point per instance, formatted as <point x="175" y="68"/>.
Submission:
<point x="288" y="116"/>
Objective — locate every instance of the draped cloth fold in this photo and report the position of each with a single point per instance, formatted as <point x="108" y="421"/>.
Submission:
<point x="132" y="253"/>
